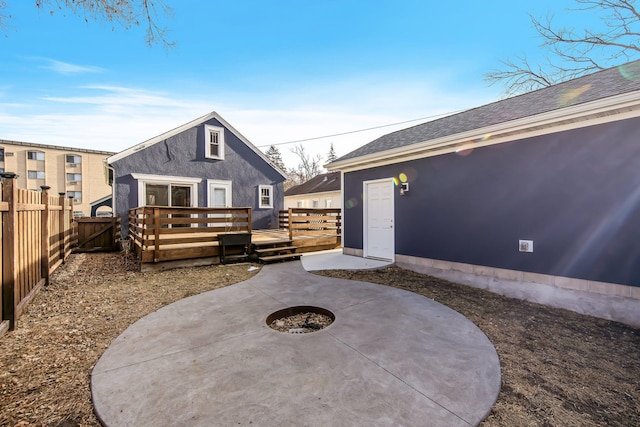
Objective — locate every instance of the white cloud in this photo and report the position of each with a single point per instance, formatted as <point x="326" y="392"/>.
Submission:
<point x="67" y="68"/>
<point x="115" y="117"/>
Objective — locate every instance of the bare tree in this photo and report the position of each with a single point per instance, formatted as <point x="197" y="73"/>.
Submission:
<point x="126" y="13"/>
<point x="307" y="168"/>
<point x="574" y="53"/>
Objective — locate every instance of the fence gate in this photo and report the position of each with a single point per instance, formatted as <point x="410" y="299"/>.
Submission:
<point x="98" y="234"/>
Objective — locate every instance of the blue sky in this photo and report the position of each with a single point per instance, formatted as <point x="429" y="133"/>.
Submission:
<point x="278" y="71"/>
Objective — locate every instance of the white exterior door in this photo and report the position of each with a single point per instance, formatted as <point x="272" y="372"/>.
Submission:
<point x="378" y="233"/>
<point x="219" y="194"/>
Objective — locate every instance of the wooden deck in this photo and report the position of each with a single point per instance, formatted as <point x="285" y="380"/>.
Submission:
<point x="190" y="236"/>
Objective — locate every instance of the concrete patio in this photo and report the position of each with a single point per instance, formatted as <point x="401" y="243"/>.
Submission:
<point x="390" y="358"/>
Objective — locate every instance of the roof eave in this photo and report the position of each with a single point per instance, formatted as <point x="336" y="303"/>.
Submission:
<point x="453" y="142"/>
<point x="197" y="122"/>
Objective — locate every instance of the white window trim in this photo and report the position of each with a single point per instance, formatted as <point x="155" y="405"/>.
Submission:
<point x="260" y="188"/>
<point x="207" y="153"/>
<point x="165" y="179"/>
<point x="220" y="183"/>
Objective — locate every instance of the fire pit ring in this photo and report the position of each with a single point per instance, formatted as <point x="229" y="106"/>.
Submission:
<point x="300" y="319"/>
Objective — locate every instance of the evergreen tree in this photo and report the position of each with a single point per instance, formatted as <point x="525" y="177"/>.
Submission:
<point x="274" y="155"/>
<point x="331" y="157"/>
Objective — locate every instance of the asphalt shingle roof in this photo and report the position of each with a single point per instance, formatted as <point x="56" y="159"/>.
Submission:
<point x="318" y="184"/>
<point x="603" y="84"/>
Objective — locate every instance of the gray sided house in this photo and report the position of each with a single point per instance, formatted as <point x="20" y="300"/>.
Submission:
<point x="205" y="163"/>
<point x="535" y="196"/>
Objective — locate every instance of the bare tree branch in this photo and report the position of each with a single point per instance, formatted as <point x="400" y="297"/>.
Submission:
<point x="126" y="13"/>
<point x="308" y="166"/>
<point x="576" y="53"/>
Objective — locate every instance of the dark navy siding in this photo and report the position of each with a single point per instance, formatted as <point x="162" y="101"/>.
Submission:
<point x="576" y="194"/>
<point x="183" y="155"/>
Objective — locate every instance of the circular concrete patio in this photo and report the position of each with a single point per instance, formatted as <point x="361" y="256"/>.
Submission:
<point x="390" y="358"/>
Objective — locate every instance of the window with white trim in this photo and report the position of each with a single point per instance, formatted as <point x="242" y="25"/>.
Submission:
<point x="327" y="203"/>
<point x="74" y="177"/>
<point x="265" y="195"/>
<point x="214" y="142"/>
<point x="314" y="203"/>
<point x="160" y="190"/>
<point x="299" y="204"/>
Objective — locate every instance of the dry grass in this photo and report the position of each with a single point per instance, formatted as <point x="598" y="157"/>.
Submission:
<point x="45" y="364"/>
<point x="558" y="368"/>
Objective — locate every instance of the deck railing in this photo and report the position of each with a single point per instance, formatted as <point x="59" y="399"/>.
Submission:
<point x="317" y="227"/>
<point x="37" y="236"/>
<point x="160" y="233"/>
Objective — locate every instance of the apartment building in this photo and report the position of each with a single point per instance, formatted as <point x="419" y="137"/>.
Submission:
<point x="77" y="172"/>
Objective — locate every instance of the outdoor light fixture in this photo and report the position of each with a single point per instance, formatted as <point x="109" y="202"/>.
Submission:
<point x="404" y="188"/>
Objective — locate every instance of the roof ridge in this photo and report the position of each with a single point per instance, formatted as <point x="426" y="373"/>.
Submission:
<point x="599" y="85"/>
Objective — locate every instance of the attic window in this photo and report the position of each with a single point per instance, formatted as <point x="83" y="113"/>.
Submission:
<point x="214" y="142"/>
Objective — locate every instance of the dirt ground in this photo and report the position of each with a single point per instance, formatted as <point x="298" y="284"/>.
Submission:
<point x="558" y="368"/>
<point x="45" y="364"/>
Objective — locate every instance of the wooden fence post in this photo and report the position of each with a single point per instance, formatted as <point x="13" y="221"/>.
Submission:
<point x="290" y="224"/>
<point x="69" y="231"/>
<point x="156" y="230"/>
<point x="9" y="250"/>
<point x="61" y="228"/>
<point x="46" y="235"/>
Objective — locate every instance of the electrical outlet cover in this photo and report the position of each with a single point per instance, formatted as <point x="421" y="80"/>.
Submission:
<point x="525" y="245"/>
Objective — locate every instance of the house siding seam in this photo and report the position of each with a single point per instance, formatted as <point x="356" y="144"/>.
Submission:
<point x="576" y="194"/>
<point x="184" y="155"/>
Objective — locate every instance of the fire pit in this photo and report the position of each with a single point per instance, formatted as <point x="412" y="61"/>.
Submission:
<point x="300" y="320"/>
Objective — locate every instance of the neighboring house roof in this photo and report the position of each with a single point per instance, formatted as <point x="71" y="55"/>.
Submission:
<point x="318" y="184"/>
<point x="101" y="200"/>
<point x="200" y="120"/>
<point x="592" y="96"/>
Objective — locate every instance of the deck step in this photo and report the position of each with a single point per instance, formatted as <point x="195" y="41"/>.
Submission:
<point x="280" y="257"/>
<point x="272" y="242"/>
<point x="276" y="249"/>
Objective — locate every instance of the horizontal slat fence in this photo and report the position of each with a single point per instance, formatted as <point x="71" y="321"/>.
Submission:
<point x="37" y="235"/>
<point x="312" y="229"/>
<point x="160" y="233"/>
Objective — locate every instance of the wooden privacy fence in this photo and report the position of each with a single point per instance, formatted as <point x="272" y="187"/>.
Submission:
<point x="98" y="234"/>
<point x="160" y="233"/>
<point x="37" y="236"/>
<point x="312" y="228"/>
